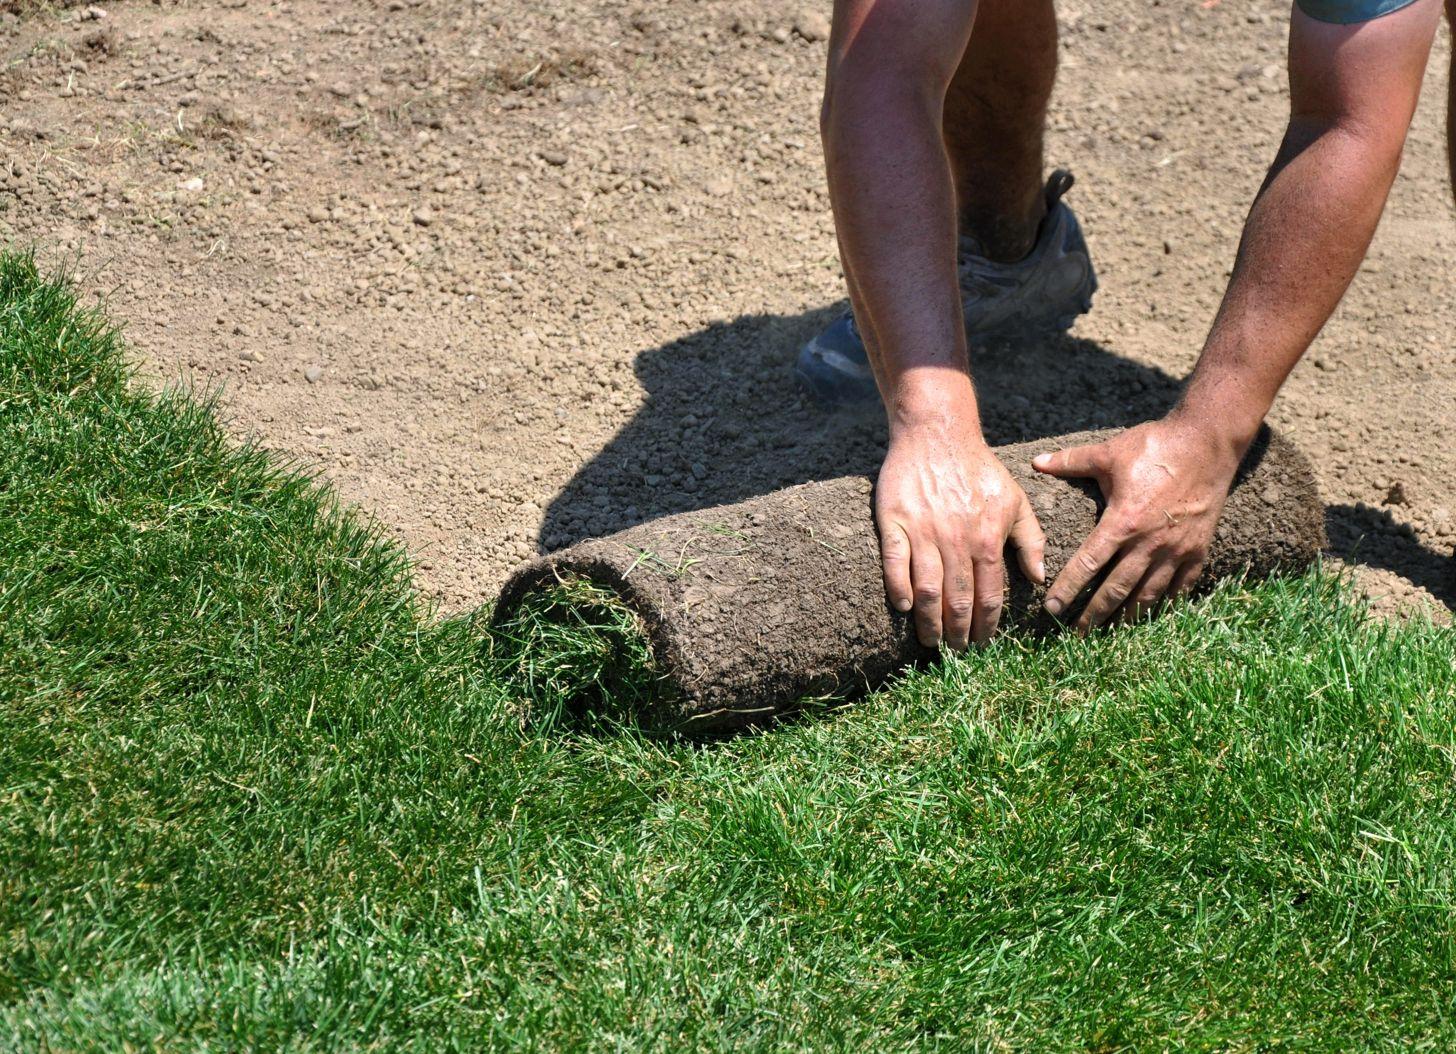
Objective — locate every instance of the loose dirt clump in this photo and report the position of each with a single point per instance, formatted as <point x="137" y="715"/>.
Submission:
<point x="550" y="312"/>
<point x="522" y="73"/>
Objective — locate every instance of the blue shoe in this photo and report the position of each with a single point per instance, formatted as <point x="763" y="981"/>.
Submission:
<point x="1033" y="298"/>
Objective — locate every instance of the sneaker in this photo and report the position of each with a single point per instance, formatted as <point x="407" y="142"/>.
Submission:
<point x="1035" y="297"/>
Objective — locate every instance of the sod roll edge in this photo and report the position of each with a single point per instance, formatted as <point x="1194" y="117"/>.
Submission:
<point x="750" y="608"/>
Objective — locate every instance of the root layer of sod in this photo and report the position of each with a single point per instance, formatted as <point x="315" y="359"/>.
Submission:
<point x="254" y="796"/>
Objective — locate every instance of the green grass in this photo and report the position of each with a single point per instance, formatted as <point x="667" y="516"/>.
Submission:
<point x="254" y="796"/>
<point x="576" y="651"/>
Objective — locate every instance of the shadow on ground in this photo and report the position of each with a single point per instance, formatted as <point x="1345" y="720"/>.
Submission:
<point x="1361" y="534"/>
<point x="723" y="421"/>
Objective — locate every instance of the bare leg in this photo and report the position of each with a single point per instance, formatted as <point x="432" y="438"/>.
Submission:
<point x="994" y="117"/>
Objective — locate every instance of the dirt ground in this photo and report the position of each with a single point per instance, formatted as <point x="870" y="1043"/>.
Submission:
<point x="511" y="275"/>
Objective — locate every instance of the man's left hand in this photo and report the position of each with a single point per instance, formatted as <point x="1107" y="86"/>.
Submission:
<point x="1165" y="483"/>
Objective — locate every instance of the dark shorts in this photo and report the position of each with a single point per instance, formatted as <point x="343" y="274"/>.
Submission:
<point x="1346" y="12"/>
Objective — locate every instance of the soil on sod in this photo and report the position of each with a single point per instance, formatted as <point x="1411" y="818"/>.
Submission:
<point x="753" y="607"/>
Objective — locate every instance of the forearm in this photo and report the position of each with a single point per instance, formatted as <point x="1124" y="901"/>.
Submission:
<point x="894" y="209"/>
<point x="1306" y="234"/>
<point x="1353" y="91"/>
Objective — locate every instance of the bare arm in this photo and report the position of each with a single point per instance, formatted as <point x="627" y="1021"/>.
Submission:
<point x="890" y="62"/>
<point x="944" y="505"/>
<point x="1353" y="91"/>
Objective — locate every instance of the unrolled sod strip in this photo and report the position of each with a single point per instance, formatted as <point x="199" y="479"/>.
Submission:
<point x="750" y="608"/>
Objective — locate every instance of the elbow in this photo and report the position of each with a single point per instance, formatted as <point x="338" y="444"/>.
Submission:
<point x="1374" y="138"/>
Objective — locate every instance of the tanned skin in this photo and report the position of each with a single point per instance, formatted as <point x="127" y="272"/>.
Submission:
<point x="907" y="75"/>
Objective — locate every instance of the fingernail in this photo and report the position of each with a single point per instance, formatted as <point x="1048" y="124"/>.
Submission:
<point x="1041" y="460"/>
<point x="1054" y="606"/>
<point x="1040" y="571"/>
<point x="903" y="604"/>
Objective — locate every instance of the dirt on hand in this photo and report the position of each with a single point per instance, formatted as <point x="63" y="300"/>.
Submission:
<point x="516" y="278"/>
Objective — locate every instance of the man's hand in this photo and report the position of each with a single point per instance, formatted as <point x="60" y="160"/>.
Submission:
<point x="1165" y="483"/>
<point x="945" y="508"/>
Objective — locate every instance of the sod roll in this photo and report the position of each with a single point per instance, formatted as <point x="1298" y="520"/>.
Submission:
<point x="749" y="608"/>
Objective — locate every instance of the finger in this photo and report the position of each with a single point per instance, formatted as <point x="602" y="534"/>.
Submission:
<point x="895" y="559"/>
<point x="1100" y="547"/>
<point x="960" y="600"/>
<point x="1077" y="461"/>
<point x="1149" y="592"/>
<point x="927" y="577"/>
<point x="1030" y="542"/>
<point x="1115" y="589"/>
<point x="990" y="595"/>
<point x="1186" y="578"/>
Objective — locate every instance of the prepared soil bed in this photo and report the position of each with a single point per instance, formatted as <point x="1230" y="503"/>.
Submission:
<point x="506" y="310"/>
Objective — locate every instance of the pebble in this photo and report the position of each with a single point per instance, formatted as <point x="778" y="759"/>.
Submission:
<point x="249" y="355"/>
<point x="719" y="186"/>
<point x="191" y="185"/>
<point x="553" y="157"/>
<point x="812" y="25"/>
<point x="312" y="373"/>
<point x="318" y="214"/>
<point x="423" y="217"/>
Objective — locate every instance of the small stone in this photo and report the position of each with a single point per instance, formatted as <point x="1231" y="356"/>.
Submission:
<point x="780" y="35"/>
<point x="423" y="217"/>
<point x="318" y="214"/>
<point x="553" y="157"/>
<point x="812" y="25"/>
<point x="719" y="186"/>
<point x="94" y="14"/>
<point x="312" y="373"/>
<point x="192" y="185"/>
<point x="1396" y="495"/>
<point x="249" y="355"/>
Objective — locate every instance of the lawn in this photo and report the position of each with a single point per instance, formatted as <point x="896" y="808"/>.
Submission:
<point x="255" y="794"/>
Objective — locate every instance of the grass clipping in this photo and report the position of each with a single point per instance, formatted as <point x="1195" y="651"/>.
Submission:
<point x="576" y="651"/>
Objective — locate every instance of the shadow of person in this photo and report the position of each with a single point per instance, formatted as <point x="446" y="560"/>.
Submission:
<point x="1361" y="534"/>
<point x="724" y="421"/>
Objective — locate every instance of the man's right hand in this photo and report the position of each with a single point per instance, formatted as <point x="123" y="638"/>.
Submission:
<point x="945" y="507"/>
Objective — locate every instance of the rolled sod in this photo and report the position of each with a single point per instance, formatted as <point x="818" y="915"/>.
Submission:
<point x="749" y="609"/>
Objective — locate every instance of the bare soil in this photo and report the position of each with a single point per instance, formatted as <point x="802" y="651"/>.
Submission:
<point x="515" y="275"/>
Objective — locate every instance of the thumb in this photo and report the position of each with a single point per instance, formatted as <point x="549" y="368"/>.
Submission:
<point x="1030" y="542"/>
<point x="1076" y="462"/>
